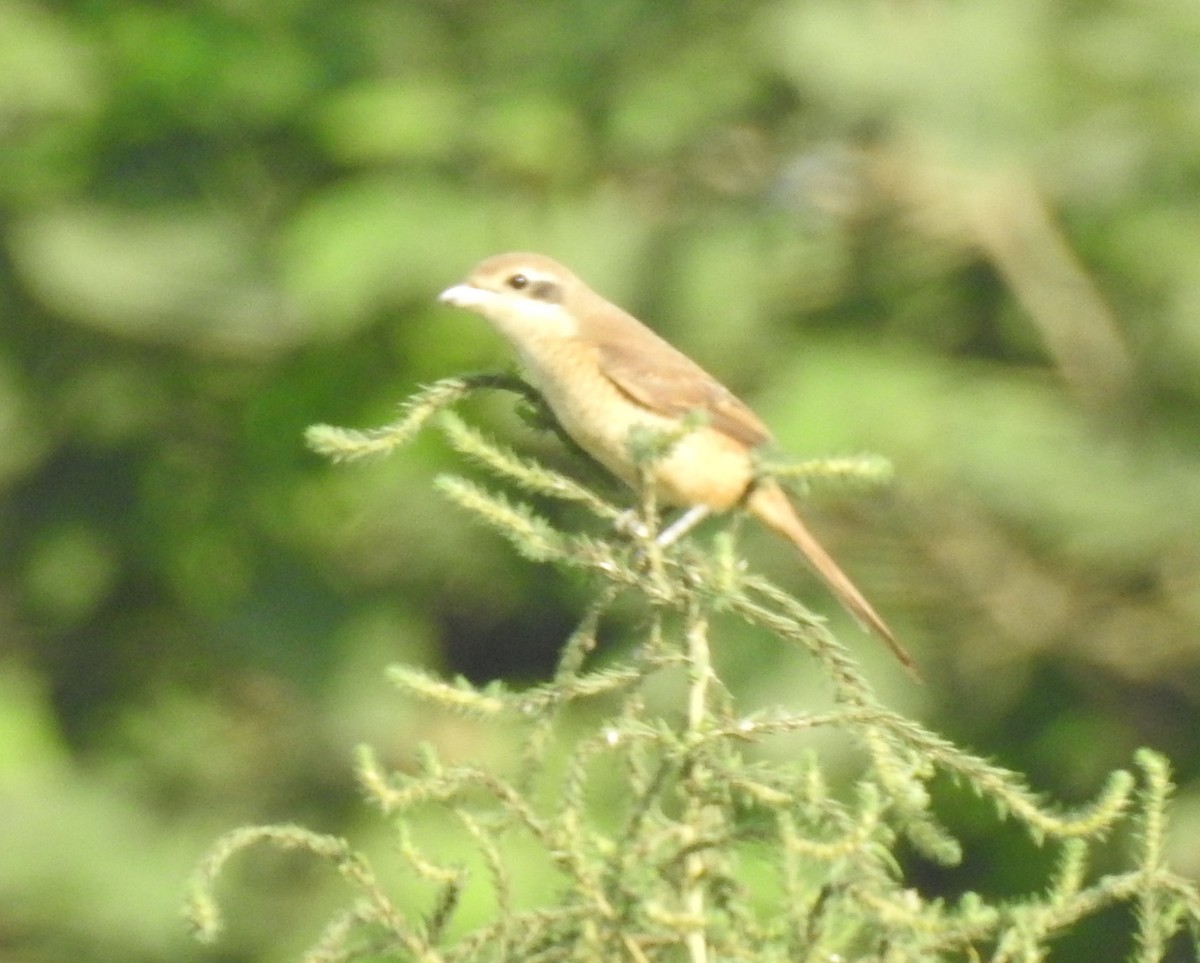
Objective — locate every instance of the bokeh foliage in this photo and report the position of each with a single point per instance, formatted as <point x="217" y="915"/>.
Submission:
<point x="960" y="234"/>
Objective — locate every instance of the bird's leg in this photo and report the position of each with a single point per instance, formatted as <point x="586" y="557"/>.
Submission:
<point x="629" y="523"/>
<point x="682" y="525"/>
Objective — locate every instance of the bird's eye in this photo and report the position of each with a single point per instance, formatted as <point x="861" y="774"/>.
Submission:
<point x="518" y="282"/>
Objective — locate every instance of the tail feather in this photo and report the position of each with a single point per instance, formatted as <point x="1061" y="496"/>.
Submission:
<point x="770" y="505"/>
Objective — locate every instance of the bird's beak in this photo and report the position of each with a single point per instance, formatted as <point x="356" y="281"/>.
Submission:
<point x="465" y="296"/>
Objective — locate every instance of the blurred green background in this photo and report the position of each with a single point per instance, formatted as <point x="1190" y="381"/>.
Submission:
<point x="965" y="235"/>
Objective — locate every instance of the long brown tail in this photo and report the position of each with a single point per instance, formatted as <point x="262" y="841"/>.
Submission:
<point x="770" y="505"/>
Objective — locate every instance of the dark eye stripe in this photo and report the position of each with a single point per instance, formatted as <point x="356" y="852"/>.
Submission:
<point x="546" y="291"/>
<point x="541" y="290"/>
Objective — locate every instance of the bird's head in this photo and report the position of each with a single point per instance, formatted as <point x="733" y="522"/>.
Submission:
<point x="523" y="295"/>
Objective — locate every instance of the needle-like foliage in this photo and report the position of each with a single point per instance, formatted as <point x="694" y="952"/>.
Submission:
<point x="711" y="850"/>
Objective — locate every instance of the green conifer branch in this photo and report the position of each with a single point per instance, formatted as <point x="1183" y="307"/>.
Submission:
<point x="530" y="475"/>
<point x="848" y="472"/>
<point x="668" y="836"/>
<point x="347" y="444"/>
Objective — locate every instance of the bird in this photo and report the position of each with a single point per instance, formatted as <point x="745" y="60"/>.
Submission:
<point x="604" y="375"/>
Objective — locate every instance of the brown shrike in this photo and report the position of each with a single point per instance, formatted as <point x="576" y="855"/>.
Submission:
<point x="604" y="374"/>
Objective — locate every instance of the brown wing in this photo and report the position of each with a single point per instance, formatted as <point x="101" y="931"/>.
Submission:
<point x="670" y="383"/>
